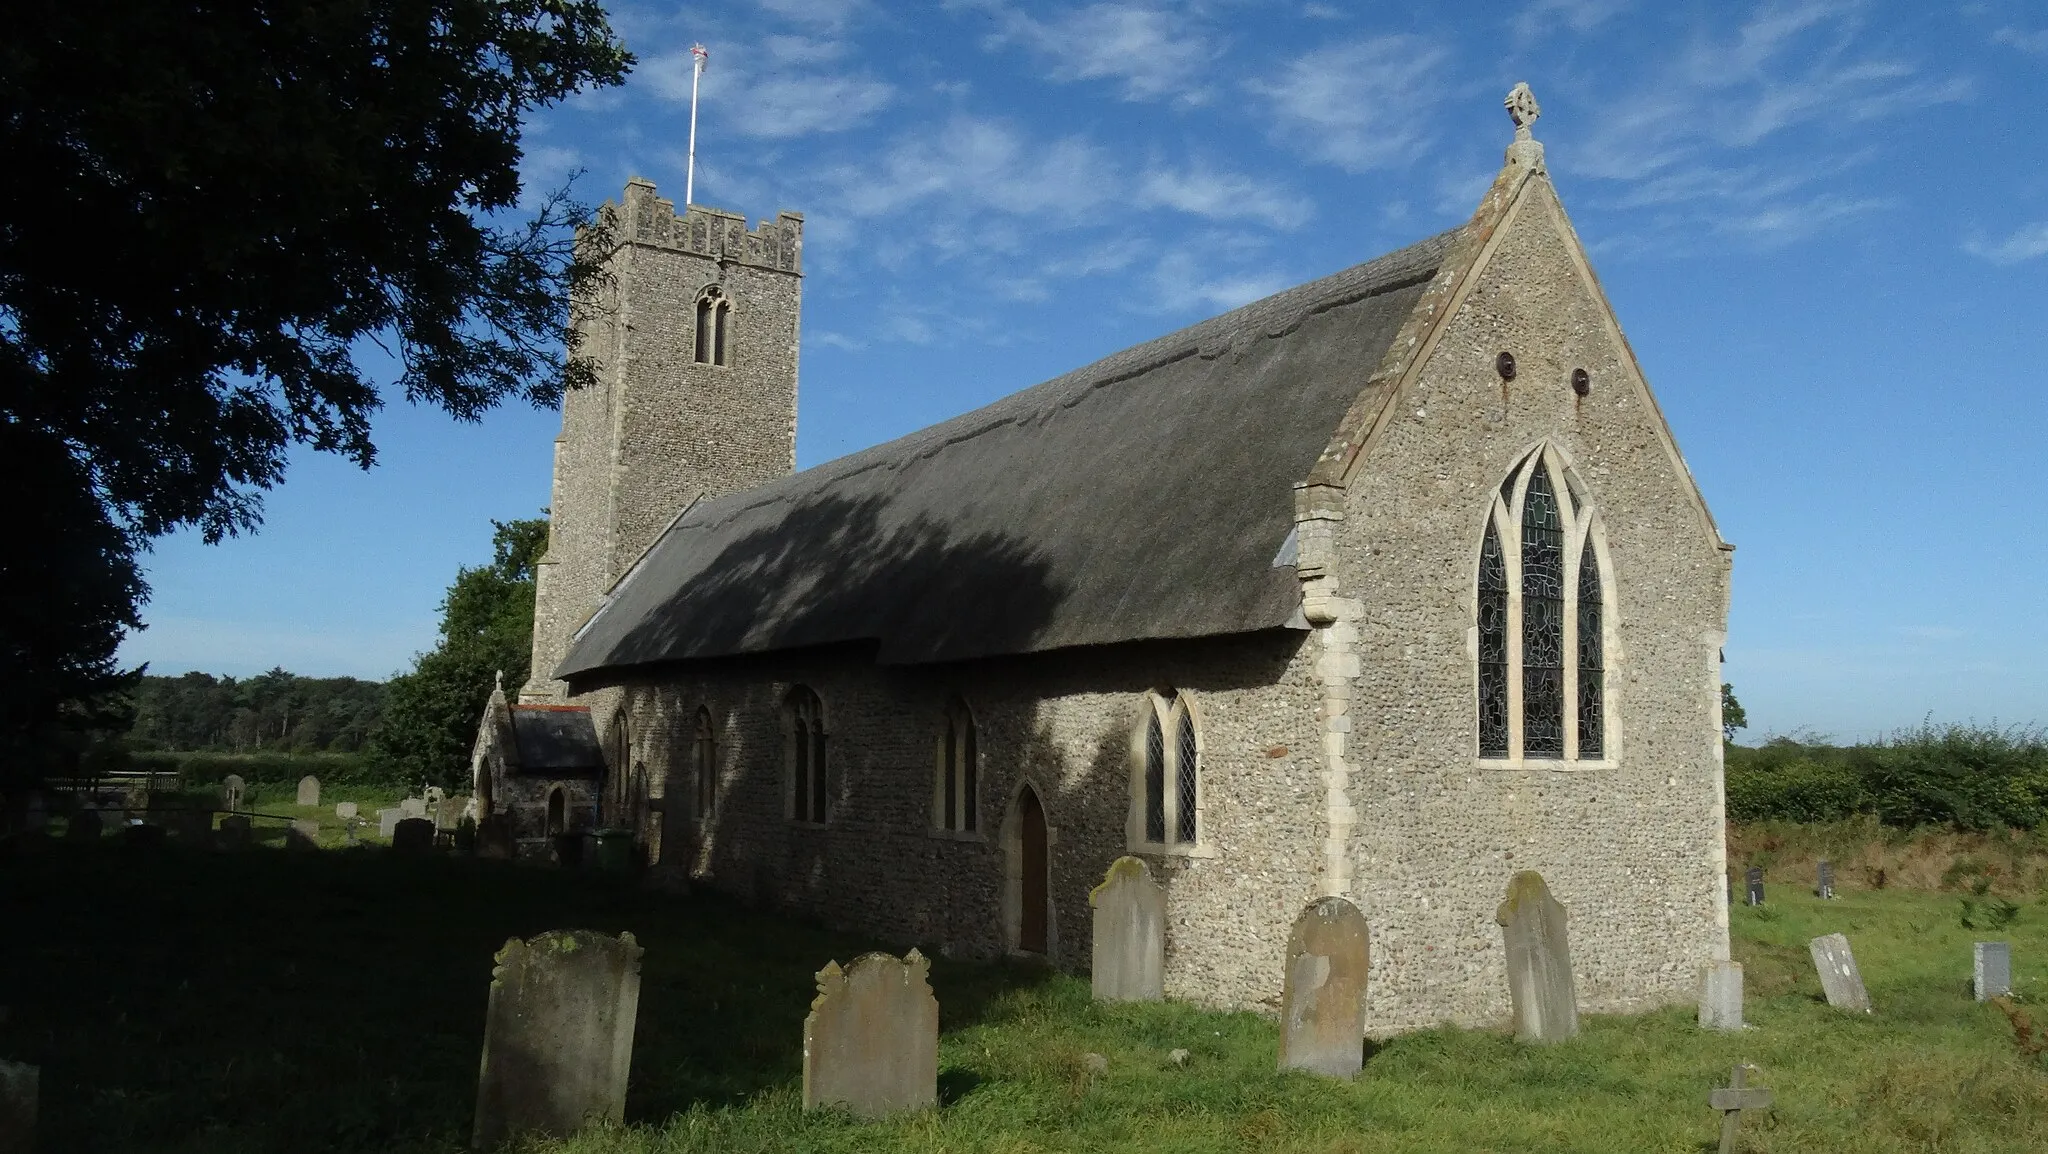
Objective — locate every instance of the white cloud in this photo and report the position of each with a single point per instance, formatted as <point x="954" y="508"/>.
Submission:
<point x="772" y="103"/>
<point x="2034" y="42"/>
<point x="1359" y="105"/>
<point x="1204" y="192"/>
<point x="1156" y="52"/>
<point x="1580" y="16"/>
<point x="1212" y="273"/>
<point x="829" y="15"/>
<point x="2028" y="243"/>
<point x="973" y="164"/>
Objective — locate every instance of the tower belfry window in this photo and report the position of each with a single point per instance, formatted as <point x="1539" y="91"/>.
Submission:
<point x="714" y="321"/>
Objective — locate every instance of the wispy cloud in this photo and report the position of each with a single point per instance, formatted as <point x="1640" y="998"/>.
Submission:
<point x="1154" y="52"/>
<point x="768" y="92"/>
<point x="2028" y="243"/>
<point x="1359" y="105"/>
<point x="1579" y="16"/>
<point x="1205" y="276"/>
<point x="826" y="15"/>
<point x="2034" y="42"/>
<point x="1205" y="192"/>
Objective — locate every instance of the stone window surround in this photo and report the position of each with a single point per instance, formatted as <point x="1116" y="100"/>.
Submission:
<point x="704" y="765"/>
<point x="1011" y="840"/>
<point x="958" y="711"/>
<point x="1156" y="703"/>
<point x="722" y="336"/>
<point x="790" y="784"/>
<point x="1582" y="518"/>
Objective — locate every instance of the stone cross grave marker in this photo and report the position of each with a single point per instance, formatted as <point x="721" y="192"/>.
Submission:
<point x="1721" y="996"/>
<point x="234" y="831"/>
<point x="414" y="835"/>
<point x="1824" y="884"/>
<point x="558" y="1035"/>
<point x="1993" y="977"/>
<point x="1322" y="1003"/>
<point x="1732" y="1101"/>
<point x="309" y="790"/>
<point x="19" y="1089"/>
<point x="871" y="1042"/>
<point x="1128" y="962"/>
<point x="1839" y="977"/>
<point x="231" y="788"/>
<point x="346" y="809"/>
<point x="1539" y="961"/>
<point x="1755" y="880"/>
<point x="303" y="834"/>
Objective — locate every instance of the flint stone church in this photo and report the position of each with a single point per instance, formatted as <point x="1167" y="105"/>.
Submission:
<point x="1387" y="586"/>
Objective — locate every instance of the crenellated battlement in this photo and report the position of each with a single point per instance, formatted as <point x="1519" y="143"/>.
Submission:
<point x="649" y="219"/>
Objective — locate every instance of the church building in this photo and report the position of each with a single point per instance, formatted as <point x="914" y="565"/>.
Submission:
<point x="1387" y="586"/>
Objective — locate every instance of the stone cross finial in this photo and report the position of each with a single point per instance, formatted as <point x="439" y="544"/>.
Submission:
<point x="1522" y="109"/>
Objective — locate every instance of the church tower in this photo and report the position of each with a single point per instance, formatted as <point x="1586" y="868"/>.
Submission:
<point x="694" y="332"/>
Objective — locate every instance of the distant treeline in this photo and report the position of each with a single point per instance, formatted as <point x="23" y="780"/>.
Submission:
<point x="272" y="712"/>
<point x="1972" y="777"/>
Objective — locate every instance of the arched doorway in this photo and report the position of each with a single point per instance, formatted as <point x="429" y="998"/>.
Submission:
<point x="557" y="812"/>
<point x="1031" y="855"/>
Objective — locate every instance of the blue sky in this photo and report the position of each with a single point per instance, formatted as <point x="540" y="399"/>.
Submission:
<point x="1824" y="227"/>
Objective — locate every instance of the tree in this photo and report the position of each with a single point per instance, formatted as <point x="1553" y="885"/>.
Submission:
<point x="431" y="713"/>
<point x="208" y="213"/>
<point x="1732" y="716"/>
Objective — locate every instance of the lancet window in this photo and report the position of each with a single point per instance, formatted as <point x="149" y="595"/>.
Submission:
<point x="1166" y="794"/>
<point x="1540" y="612"/>
<point x="714" y="317"/>
<point x="805" y="717"/>
<point x="704" y="761"/>
<point x="956" y="785"/>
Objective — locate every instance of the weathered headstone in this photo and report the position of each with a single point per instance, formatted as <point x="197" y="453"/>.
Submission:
<point x="1539" y="961"/>
<point x="303" y="834"/>
<point x="447" y="813"/>
<point x="871" y="1042"/>
<point x="1721" y="996"/>
<point x="414" y="835"/>
<point x="1840" y="980"/>
<point x="234" y="832"/>
<point x="309" y="790"/>
<point x="84" y="826"/>
<point x="558" y="1035"/>
<point x="1322" y="997"/>
<point x="413" y="807"/>
<point x="387" y="821"/>
<point x="1824" y="881"/>
<point x="1993" y="977"/>
<point x="346" y="810"/>
<point x="231" y="789"/>
<point x="1732" y="1101"/>
<point x="1128" y="959"/>
<point x="19" y="1089"/>
<point x="1755" y="878"/>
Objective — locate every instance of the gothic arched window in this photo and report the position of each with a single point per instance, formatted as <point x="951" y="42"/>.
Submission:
<point x="704" y="762"/>
<point x="1541" y="631"/>
<point x="1166" y="787"/>
<point x="805" y="718"/>
<point x="714" y="316"/>
<point x="955" y="794"/>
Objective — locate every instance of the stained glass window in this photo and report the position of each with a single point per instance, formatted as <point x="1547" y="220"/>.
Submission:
<point x="1493" y="648"/>
<point x="1155" y="776"/>
<point x="1542" y="620"/>
<point x="1185" y="815"/>
<point x="1592" y="701"/>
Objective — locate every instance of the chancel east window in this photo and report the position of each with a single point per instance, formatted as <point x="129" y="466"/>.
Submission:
<point x="955" y="788"/>
<point x="1542" y="673"/>
<point x="704" y="761"/>
<point x="1167" y="784"/>
<point x="714" y="316"/>
<point x="805" y="716"/>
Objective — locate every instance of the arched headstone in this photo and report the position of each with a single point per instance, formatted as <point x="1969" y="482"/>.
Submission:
<point x="1322" y="1005"/>
<point x="1129" y="952"/>
<point x="558" y="1035"/>
<point x="1539" y="961"/>
<point x="871" y="1042"/>
<point x="309" y="790"/>
<point x="413" y="835"/>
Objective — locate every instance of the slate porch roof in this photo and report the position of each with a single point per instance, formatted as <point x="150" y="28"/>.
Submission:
<point x="1148" y="495"/>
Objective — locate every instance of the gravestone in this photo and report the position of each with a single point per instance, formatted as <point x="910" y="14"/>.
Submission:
<point x="1721" y="996"/>
<point x="387" y="821"/>
<point x="413" y="807"/>
<point x="871" y="1042"/>
<point x="1755" y="878"/>
<point x="231" y="789"/>
<point x="309" y="790"/>
<point x="1824" y="882"/>
<point x="303" y="834"/>
<point x="1322" y="996"/>
<point x="346" y="810"/>
<point x="1128" y="959"/>
<point x="414" y="835"/>
<point x="1839" y="977"/>
<point x="19" y="1086"/>
<point x="1738" y="1096"/>
<point x="234" y="832"/>
<point x="1993" y="977"/>
<point x="558" y="1035"/>
<point x="447" y="813"/>
<point x="1539" y="961"/>
<point x="84" y="825"/>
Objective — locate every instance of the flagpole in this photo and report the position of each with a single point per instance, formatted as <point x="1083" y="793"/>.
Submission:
<point x="697" y="58"/>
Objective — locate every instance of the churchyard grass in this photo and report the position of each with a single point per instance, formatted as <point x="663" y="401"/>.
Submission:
<point x="272" y="1001"/>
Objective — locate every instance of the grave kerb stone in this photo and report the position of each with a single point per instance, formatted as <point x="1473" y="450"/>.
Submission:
<point x="1128" y="953"/>
<point x="1322" y="998"/>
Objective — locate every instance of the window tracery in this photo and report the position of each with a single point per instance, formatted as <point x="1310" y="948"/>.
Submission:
<point x="1167" y="786"/>
<point x="806" y="718"/>
<point x="714" y="315"/>
<point x="957" y="796"/>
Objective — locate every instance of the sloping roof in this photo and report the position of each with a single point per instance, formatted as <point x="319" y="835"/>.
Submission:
<point x="556" y="739"/>
<point x="1148" y="495"/>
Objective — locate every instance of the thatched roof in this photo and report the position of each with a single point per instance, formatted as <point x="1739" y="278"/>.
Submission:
<point x="1148" y="495"/>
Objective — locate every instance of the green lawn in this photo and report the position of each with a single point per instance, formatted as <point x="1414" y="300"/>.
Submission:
<point x="271" y="1001"/>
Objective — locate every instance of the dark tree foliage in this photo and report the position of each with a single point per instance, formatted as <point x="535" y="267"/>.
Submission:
<point x="208" y="210"/>
<point x="1732" y="716"/>
<point x="272" y="711"/>
<point x="431" y="713"/>
<point x="1979" y="777"/>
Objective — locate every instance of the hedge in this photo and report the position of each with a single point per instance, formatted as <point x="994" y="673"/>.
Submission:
<point x="1965" y="776"/>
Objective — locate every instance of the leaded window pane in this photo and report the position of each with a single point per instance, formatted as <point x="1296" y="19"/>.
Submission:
<point x="1493" y="648"/>
<point x="1542" y="620"/>
<point x="1592" y="675"/>
<point x="1155" y="777"/>
<point x="703" y="354"/>
<point x="1185" y="816"/>
<point x="952" y="774"/>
